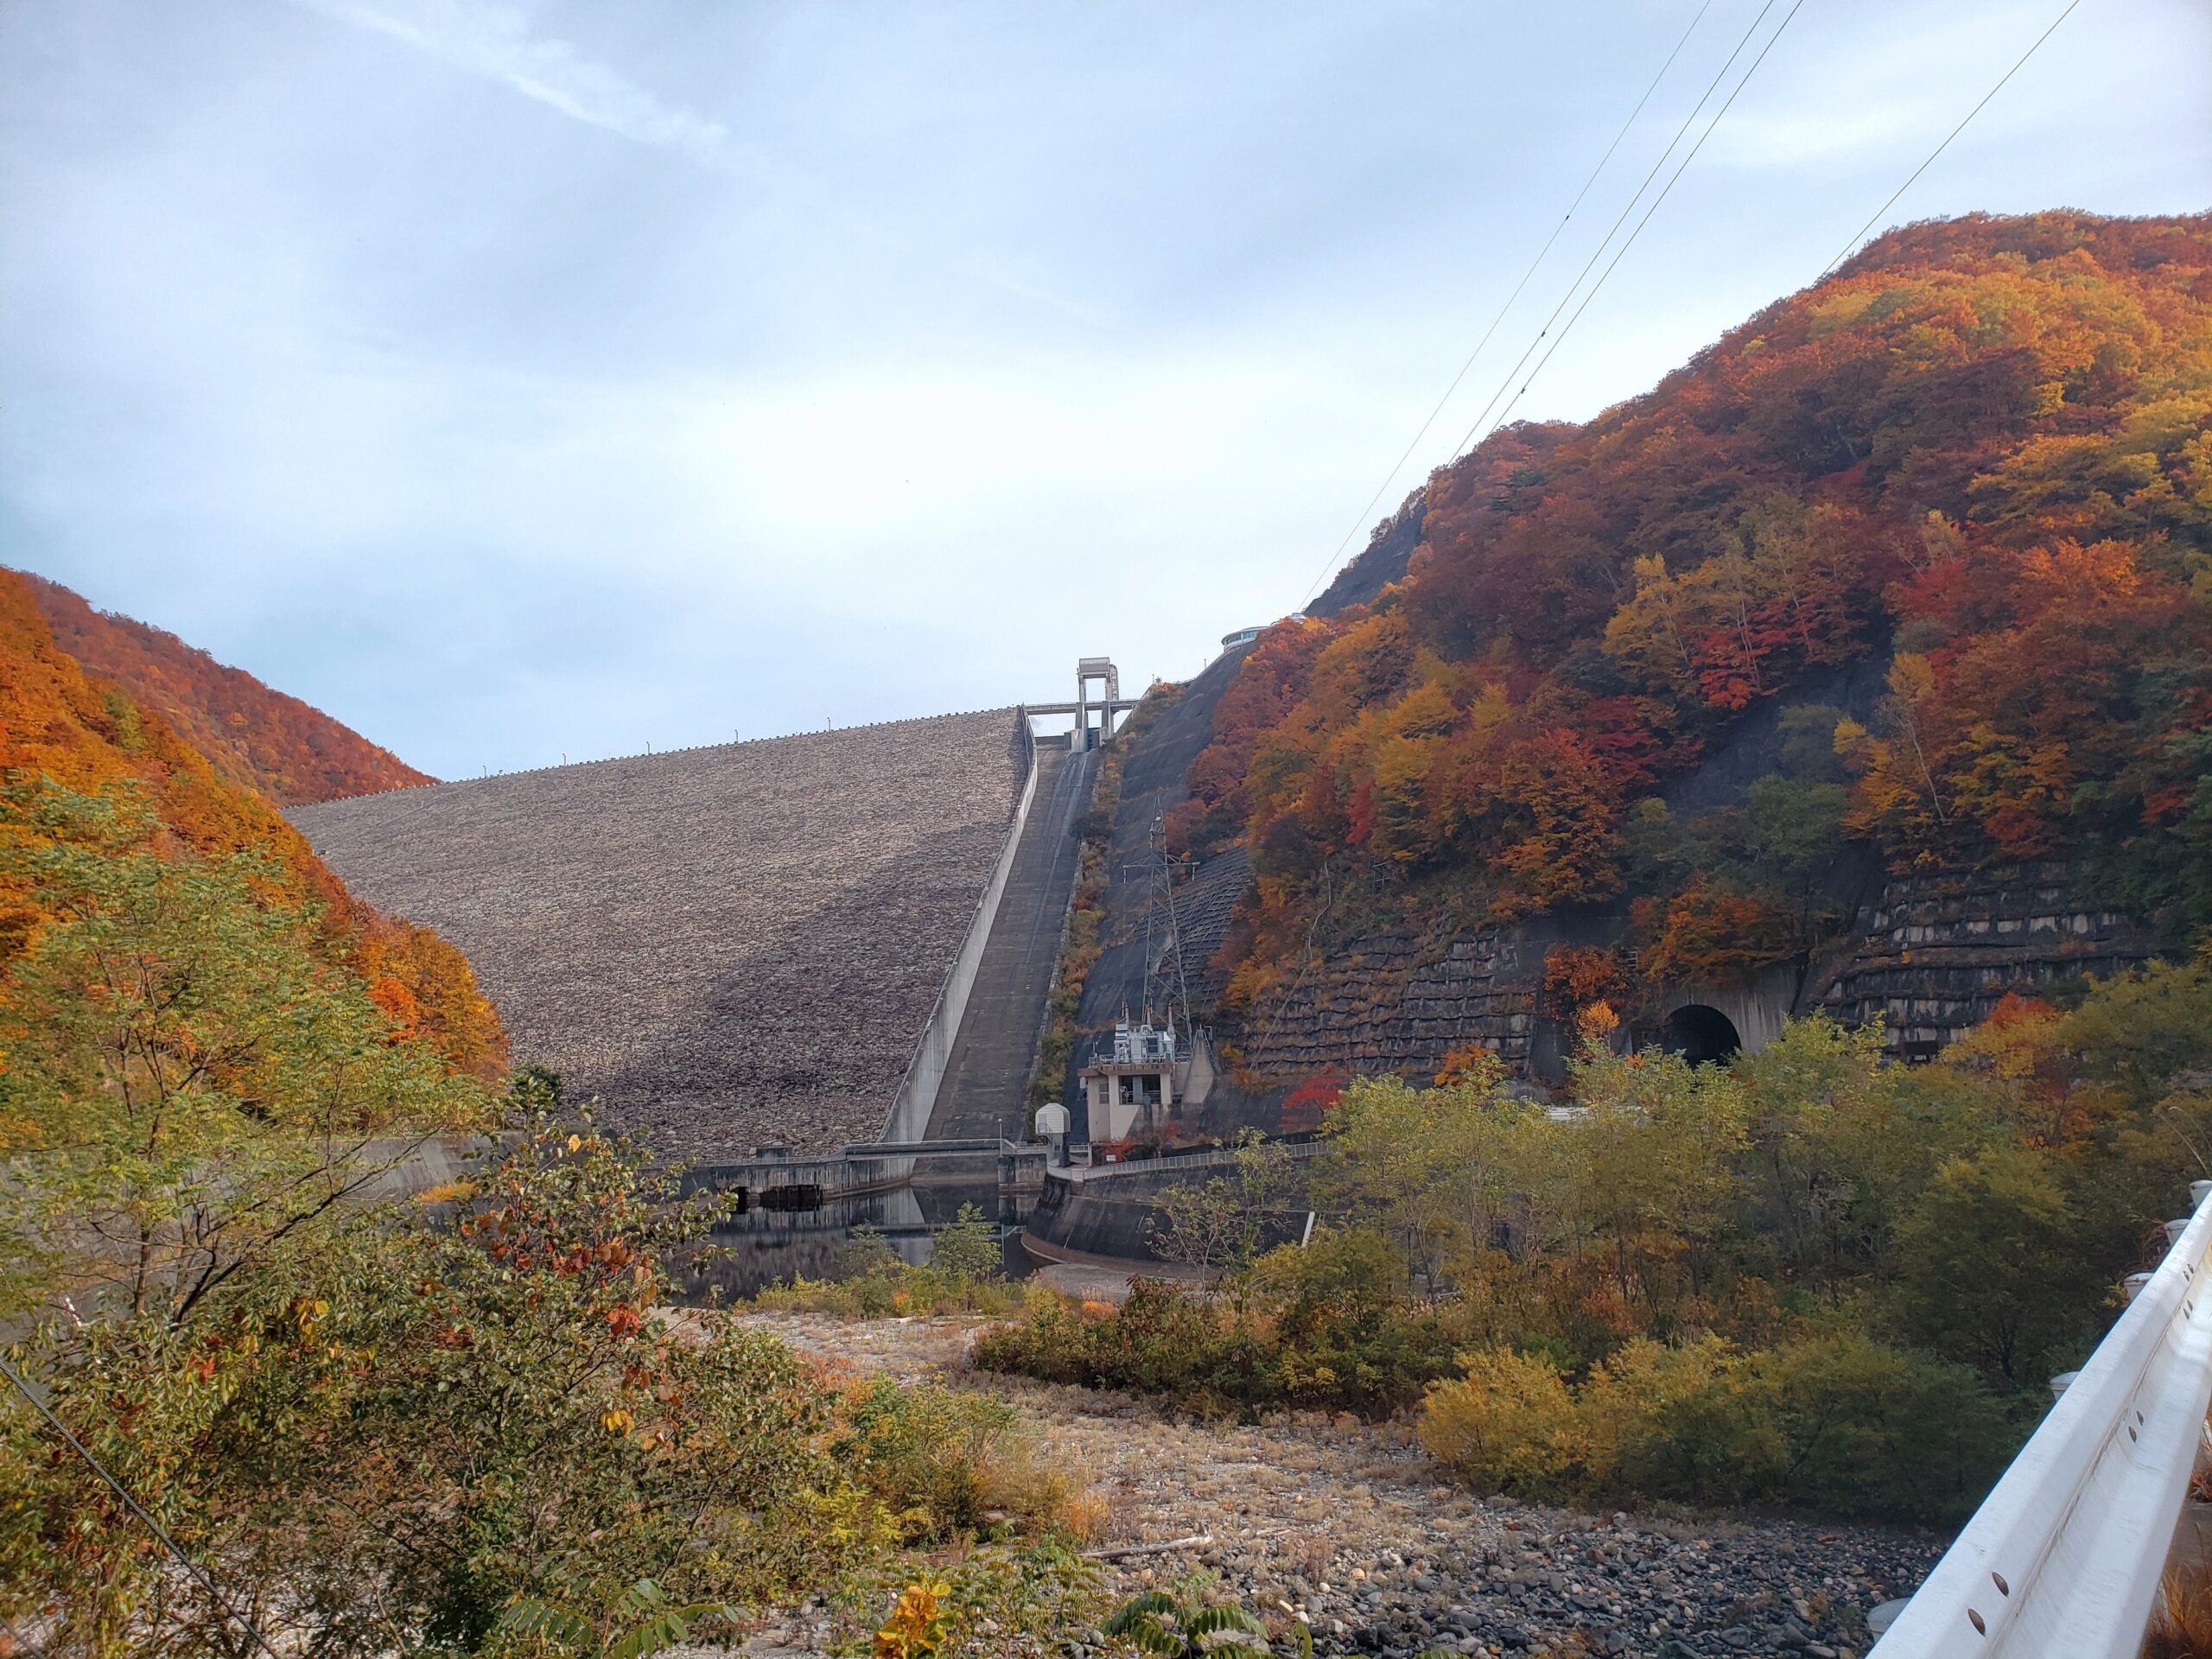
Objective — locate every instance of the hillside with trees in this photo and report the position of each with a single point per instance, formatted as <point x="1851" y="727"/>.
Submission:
<point x="101" y="783"/>
<point x="1935" y="536"/>
<point x="251" y="734"/>
<point x="313" y="1405"/>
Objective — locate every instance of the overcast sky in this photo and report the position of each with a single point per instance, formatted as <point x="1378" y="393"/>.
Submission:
<point x="516" y="380"/>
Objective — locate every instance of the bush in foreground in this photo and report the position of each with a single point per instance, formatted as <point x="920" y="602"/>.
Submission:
<point x="385" y="1434"/>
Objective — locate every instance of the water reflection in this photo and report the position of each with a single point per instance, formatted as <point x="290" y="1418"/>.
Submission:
<point x="760" y="1247"/>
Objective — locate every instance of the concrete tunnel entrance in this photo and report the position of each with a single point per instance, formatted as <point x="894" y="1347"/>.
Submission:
<point x="1701" y="1034"/>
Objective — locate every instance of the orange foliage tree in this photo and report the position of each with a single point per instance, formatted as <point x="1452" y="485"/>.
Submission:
<point x="57" y="721"/>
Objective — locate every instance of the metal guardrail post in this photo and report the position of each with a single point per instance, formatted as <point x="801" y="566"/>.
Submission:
<point x="2063" y="1559"/>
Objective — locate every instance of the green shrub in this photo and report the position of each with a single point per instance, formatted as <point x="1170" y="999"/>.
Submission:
<point x="1699" y="1431"/>
<point x="947" y="1464"/>
<point x="1163" y="1340"/>
<point x="1995" y="1269"/>
<point x="1836" y="1426"/>
<point x="1346" y="1336"/>
<point x="1881" y="1431"/>
<point x="966" y="1251"/>
<point x="996" y="1601"/>
<point x="1197" y="1621"/>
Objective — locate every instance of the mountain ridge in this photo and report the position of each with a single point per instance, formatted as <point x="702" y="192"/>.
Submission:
<point x="249" y="731"/>
<point x="1975" y="462"/>
<point x="65" y="731"/>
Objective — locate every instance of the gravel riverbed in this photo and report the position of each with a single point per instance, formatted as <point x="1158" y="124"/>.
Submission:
<point x="1350" y="1527"/>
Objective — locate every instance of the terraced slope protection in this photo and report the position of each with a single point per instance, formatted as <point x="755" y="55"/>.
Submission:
<point x="731" y="946"/>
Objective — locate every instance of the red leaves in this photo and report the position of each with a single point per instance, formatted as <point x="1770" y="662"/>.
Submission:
<point x="1968" y="451"/>
<point x="1710" y="935"/>
<point x="1304" y="1108"/>
<point x="1576" y="976"/>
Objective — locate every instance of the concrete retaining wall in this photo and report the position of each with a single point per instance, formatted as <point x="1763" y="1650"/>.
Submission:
<point x="909" y="1117"/>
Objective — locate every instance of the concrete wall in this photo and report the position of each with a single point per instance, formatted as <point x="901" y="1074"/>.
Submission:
<point x="909" y="1117"/>
<point x="1939" y="949"/>
<point x="1112" y="1211"/>
<point x="1756" y="1010"/>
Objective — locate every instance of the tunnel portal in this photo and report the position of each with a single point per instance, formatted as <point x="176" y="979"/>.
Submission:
<point x="1701" y="1034"/>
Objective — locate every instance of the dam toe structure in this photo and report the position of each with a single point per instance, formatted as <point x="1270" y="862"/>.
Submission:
<point x="759" y="944"/>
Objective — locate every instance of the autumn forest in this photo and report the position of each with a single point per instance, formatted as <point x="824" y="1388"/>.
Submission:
<point x="1944" y="519"/>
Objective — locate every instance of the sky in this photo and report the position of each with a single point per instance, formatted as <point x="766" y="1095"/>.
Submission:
<point x="528" y="381"/>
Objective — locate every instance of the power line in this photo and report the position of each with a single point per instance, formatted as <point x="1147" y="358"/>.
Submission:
<point x="1560" y="338"/>
<point x="1367" y="512"/>
<point x="1480" y="427"/>
<point x="153" y="1526"/>
<point x="1859" y="234"/>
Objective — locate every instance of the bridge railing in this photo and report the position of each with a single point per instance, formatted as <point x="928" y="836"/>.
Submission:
<point x="2066" y="1554"/>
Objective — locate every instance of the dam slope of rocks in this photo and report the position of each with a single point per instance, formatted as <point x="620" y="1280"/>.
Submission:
<point x="731" y="946"/>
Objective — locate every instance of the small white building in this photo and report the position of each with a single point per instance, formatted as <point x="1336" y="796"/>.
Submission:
<point x="1131" y="1086"/>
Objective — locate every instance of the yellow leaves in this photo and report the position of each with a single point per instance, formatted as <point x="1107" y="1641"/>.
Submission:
<point x="618" y="1421"/>
<point x="1596" y="1022"/>
<point x="1488" y="710"/>
<point x="2013" y="1048"/>
<point x="1471" y="1063"/>
<point x="916" y="1627"/>
<point x="1628" y="1396"/>
<point x="1424" y="711"/>
<point x="1509" y="1423"/>
<point x="1841" y="306"/>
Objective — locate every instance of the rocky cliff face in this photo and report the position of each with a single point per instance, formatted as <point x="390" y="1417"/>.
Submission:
<point x="1390" y="549"/>
<point x="1401" y="1001"/>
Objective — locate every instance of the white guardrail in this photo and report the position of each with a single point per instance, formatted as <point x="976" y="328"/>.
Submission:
<point x="2063" y="1559"/>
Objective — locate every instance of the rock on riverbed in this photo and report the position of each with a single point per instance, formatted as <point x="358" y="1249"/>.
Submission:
<point x="1353" y="1528"/>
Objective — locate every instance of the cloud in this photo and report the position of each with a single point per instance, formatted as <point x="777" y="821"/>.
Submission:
<point x="960" y="338"/>
<point x="495" y="41"/>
